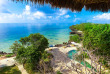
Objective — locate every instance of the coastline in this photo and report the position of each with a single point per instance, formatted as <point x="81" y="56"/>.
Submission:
<point x="55" y="33"/>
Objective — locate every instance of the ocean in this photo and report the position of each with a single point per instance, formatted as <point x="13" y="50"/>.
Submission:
<point x="11" y="32"/>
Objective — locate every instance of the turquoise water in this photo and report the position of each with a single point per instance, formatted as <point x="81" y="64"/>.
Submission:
<point x="86" y="63"/>
<point x="55" y="33"/>
<point x="71" y="53"/>
<point x="71" y="56"/>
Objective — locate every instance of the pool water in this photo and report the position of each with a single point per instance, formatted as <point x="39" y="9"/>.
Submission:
<point x="71" y="56"/>
<point x="72" y="53"/>
<point x="87" y="64"/>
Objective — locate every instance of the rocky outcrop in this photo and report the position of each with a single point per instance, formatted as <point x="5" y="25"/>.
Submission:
<point x="77" y="32"/>
<point x="1" y="52"/>
<point x="59" y="45"/>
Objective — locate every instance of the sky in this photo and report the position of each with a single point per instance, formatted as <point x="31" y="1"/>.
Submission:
<point x="12" y="12"/>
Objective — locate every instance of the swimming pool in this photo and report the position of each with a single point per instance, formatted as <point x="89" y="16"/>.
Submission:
<point x="72" y="53"/>
<point x="71" y="56"/>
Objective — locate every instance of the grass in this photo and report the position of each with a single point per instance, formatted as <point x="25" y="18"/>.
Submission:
<point x="58" y="72"/>
<point x="10" y="70"/>
<point x="0" y="55"/>
<point x="9" y="55"/>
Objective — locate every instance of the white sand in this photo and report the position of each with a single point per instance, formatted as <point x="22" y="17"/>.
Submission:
<point x="7" y="62"/>
<point x="21" y="68"/>
<point x="10" y="62"/>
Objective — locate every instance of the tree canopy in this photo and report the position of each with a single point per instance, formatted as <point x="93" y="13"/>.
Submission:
<point x="97" y="39"/>
<point x="30" y="50"/>
<point x="96" y="36"/>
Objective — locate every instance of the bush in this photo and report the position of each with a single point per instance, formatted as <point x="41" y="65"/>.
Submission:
<point x="58" y="72"/>
<point x="9" y="55"/>
<point x="75" y="38"/>
<point x="96" y="36"/>
<point x="29" y="68"/>
<point x="104" y="62"/>
<point x="0" y="55"/>
<point x="10" y="70"/>
<point x="81" y="56"/>
<point x="30" y="51"/>
<point x="85" y="54"/>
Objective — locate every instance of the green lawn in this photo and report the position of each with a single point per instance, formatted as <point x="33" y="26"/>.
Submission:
<point x="10" y="70"/>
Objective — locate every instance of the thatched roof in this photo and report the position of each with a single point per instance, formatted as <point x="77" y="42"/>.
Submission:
<point x="75" y="5"/>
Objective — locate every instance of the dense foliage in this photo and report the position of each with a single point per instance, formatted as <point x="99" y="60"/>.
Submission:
<point x="10" y="70"/>
<point x="9" y="55"/>
<point x="30" y="50"/>
<point x="96" y="37"/>
<point x="81" y="56"/>
<point x="75" y="38"/>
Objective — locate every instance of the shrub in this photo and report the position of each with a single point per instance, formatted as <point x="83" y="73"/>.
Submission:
<point x="9" y="55"/>
<point x="30" y="51"/>
<point x="29" y="68"/>
<point x="96" y="37"/>
<point x="58" y="72"/>
<point x="0" y="55"/>
<point x="75" y="38"/>
<point x="81" y="56"/>
<point x="10" y="70"/>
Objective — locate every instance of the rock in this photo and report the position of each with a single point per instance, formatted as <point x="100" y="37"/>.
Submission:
<point x="75" y="32"/>
<point x="58" y="45"/>
<point x="72" y="32"/>
<point x="2" y="53"/>
<point x="65" y="43"/>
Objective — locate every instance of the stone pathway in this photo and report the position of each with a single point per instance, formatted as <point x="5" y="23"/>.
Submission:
<point x="61" y="62"/>
<point x="21" y="68"/>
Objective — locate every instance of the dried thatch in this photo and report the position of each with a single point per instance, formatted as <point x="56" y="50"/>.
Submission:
<point x="75" y="5"/>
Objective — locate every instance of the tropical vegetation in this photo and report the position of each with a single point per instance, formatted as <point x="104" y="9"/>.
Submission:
<point x="75" y="38"/>
<point x="96" y="38"/>
<point x="10" y="70"/>
<point x="30" y="51"/>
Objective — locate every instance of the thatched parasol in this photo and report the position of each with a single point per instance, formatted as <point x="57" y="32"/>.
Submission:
<point x="75" y="5"/>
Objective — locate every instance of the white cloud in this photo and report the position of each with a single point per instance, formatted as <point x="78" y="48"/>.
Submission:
<point x="27" y="7"/>
<point x="67" y="16"/>
<point x="39" y="15"/>
<point x="104" y="16"/>
<point x="25" y="16"/>
<point x="62" y="12"/>
<point x="76" y="19"/>
<point x="27" y="10"/>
